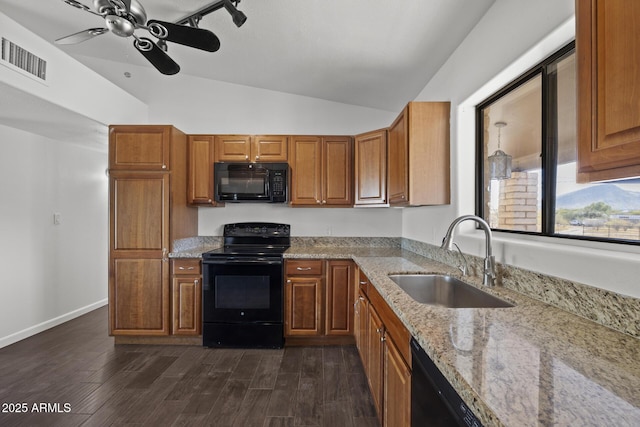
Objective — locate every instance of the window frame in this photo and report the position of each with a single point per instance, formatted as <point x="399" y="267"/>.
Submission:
<point x="549" y="147"/>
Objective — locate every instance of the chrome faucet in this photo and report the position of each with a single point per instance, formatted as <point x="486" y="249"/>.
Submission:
<point x="489" y="260"/>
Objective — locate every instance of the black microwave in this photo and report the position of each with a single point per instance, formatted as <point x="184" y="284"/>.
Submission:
<point x="251" y="182"/>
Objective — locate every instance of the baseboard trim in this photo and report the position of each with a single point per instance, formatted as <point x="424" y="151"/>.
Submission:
<point x="36" y="329"/>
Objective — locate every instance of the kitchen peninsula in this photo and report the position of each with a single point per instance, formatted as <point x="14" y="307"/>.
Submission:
<point x="532" y="364"/>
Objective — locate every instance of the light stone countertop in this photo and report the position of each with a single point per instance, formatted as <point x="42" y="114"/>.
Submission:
<point x="528" y="365"/>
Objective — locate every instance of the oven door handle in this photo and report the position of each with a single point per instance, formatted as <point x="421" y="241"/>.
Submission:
<point x="231" y="260"/>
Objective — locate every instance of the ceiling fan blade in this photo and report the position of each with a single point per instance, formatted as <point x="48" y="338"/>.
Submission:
<point x="79" y="5"/>
<point x="81" y="36"/>
<point x="156" y="56"/>
<point x="198" y="38"/>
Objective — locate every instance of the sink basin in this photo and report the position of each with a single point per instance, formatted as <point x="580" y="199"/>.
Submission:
<point x="446" y="291"/>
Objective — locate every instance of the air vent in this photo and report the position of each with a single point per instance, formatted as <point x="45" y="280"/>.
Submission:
<point x="23" y="59"/>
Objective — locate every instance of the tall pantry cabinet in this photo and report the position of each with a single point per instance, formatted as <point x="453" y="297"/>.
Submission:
<point x="147" y="211"/>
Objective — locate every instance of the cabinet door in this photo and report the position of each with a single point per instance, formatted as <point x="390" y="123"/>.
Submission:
<point x="337" y="189"/>
<point x="608" y="96"/>
<point x="139" y="204"/>
<point x="139" y="147"/>
<point x="397" y="387"/>
<point x="200" y="179"/>
<point x="398" y="160"/>
<point x="303" y="306"/>
<point x="374" y="367"/>
<point x="186" y="296"/>
<point x="371" y="168"/>
<point x="269" y="148"/>
<point x="339" y="297"/>
<point x="139" y="296"/>
<point x="139" y="241"/>
<point x="232" y="148"/>
<point x="361" y="324"/>
<point x="305" y="159"/>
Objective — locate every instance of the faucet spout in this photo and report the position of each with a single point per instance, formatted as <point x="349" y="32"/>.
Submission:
<point x="489" y="260"/>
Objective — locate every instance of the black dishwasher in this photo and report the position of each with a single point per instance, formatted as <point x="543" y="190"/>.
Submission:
<point x="434" y="402"/>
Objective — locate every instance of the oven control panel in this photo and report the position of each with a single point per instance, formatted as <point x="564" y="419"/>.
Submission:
<point x="253" y="229"/>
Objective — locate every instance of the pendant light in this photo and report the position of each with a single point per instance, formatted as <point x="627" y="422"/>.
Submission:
<point x="499" y="162"/>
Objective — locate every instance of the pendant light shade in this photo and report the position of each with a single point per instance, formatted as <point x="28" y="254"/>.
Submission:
<point x="499" y="161"/>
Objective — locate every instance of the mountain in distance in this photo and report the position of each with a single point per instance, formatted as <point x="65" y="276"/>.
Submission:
<point x="614" y="196"/>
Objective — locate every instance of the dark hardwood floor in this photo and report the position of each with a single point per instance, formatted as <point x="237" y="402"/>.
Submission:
<point x="73" y="375"/>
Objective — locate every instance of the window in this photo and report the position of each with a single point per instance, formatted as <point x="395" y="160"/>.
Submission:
<point x="526" y="166"/>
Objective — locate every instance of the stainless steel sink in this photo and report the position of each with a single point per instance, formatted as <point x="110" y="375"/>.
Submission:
<point x="446" y="291"/>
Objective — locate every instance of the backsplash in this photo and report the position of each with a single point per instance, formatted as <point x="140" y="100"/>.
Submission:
<point x="607" y="308"/>
<point x="345" y="242"/>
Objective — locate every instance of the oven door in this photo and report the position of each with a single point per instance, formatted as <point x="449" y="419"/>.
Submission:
<point x="242" y="290"/>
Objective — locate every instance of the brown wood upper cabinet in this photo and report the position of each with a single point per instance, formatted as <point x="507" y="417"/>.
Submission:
<point x="321" y="170"/>
<point x="370" y="180"/>
<point x="251" y="148"/>
<point x="140" y="147"/>
<point x="200" y="179"/>
<point x="608" y="96"/>
<point x="418" y="155"/>
<point x="147" y="212"/>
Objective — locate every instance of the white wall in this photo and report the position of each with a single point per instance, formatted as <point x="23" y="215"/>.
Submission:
<point x="53" y="140"/>
<point x="512" y="37"/>
<point x="197" y="105"/>
<point x="50" y="273"/>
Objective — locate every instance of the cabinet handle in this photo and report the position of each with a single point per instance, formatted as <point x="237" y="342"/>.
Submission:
<point x="383" y="338"/>
<point x="188" y="268"/>
<point x="379" y="330"/>
<point x="195" y="282"/>
<point x="165" y="254"/>
<point x="361" y="298"/>
<point x="303" y="268"/>
<point x="363" y="283"/>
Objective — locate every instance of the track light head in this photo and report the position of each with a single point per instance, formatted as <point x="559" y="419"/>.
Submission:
<point x="238" y="17"/>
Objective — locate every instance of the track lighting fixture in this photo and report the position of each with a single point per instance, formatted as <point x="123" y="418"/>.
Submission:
<point x="238" y="17"/>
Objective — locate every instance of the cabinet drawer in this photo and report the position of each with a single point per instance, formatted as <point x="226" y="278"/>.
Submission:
<point x="189" y="266"/>
<point x="304" y="267"/>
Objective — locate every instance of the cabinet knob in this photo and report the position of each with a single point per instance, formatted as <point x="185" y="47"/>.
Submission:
<point x="246" y="157"/>
<point x="324" y="202"/>
<point x="318" y="201"/>
<point x="195" y="282"/>
<point x="257" y="157"/>
<point x="164" y="166"/>
<point x="289" y="281"/>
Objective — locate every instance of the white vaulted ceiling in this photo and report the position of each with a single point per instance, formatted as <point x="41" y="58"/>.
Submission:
<point x="372" y="53"/>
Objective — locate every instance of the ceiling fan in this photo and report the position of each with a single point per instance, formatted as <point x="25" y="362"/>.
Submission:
<point x="123" y="17"/>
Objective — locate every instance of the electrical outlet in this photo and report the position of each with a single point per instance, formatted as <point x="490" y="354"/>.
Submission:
<point x="57" y="218"/>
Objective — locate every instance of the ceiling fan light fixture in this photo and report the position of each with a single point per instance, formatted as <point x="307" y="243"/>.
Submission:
<point x="238" y="17"/>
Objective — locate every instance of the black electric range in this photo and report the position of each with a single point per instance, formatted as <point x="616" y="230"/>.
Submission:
<point x="243" y="287"/>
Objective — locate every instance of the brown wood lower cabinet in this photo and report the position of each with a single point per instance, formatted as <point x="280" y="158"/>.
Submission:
<point x="186" y="297"/>
<point x="383" y="344"/>
<point x="318" y="301"/>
